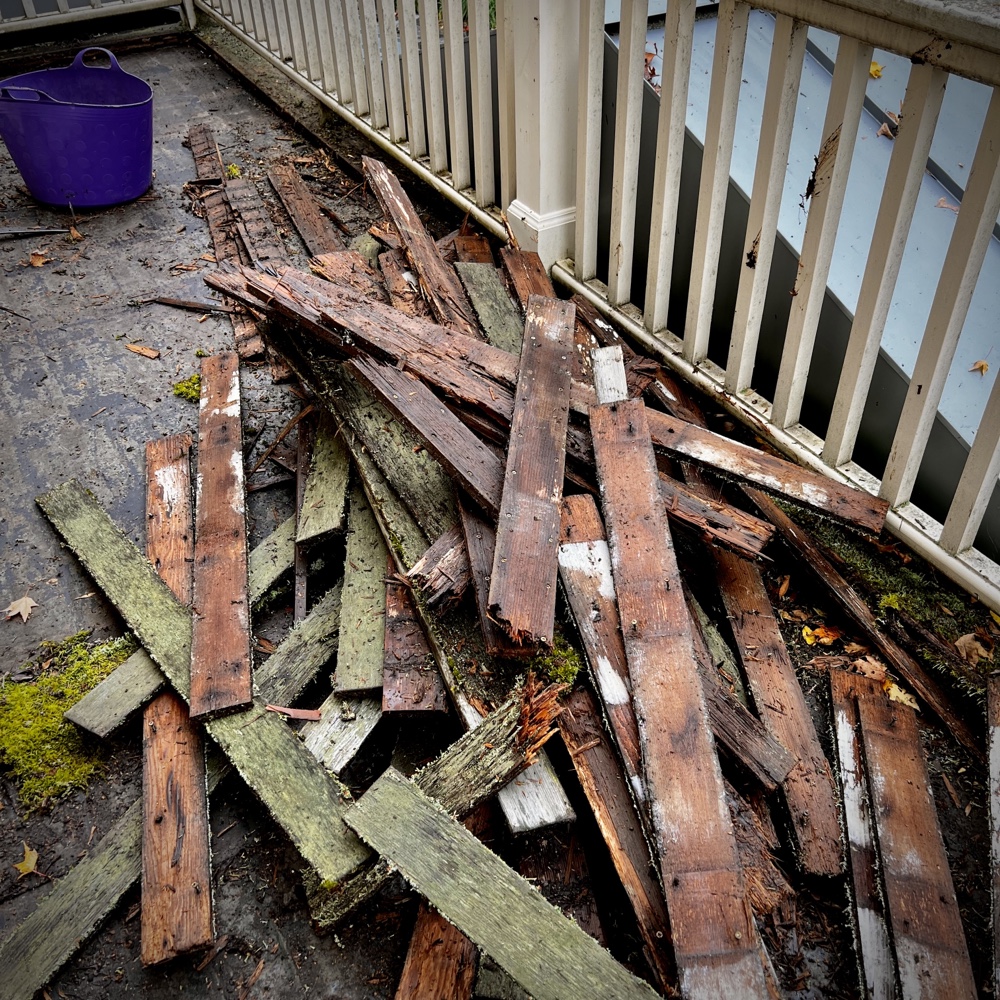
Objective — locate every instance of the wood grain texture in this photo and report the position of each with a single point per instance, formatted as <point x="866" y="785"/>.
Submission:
<point x="443" y="572"/>
<point x="473" y="247"/>
<point x="221" y="667"/>
<point x="544" y="951"/>
<point x="525" y="275"/>
<point x="498" y="316"/>
<point x="779" y="700"/>
<point x="851" y="603"/>
<point x="324" y="504"/>
<point x="348" y="267"/>
<point x="438" y="281"/>
<point x="402" y="285"/>
<point x="253" y="222"/>
<point x="271" y="559"/>
<point x="525" y="563"/>
<point x="440" y="962"/>
<point x="318" y="233"/>
<point x="715" y="938"/>
<point x="871" y="930"/>
<point x="177" y="911"/>
<point x="343" y="727"/>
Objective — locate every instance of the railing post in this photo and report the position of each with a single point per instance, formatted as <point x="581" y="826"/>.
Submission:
<point x="545" y="39"/>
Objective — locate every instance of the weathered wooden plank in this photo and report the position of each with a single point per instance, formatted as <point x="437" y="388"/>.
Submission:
<point x="878" y="964"/>
<point x="931" y="953"/>
<point x="303" y="459"/>
<point x="993" y="748"/>
<point x="348" y="267"/>
<point x="498" y="316"/>
<point x="544" y="951"/>
<point x="221" y="670"/>
<point x="359" y="650"/>
<point x="715" y="938"/>
<point x="857" y="610"/>
<point x="271" y="559"/>
<point x="324" y="504"/>
<point x="525" y="274"/>
<point x="318" y="233"/>
<point x="402" y="284"/>
<point x="260" y="238"/>
<point x="304" y="800"/>
<point x="443" y="572"/>
<point x="343" y="727"/>
<point x="621" y="827"/>
<point x="808" y="789"/>
<point x="440" y="962"/>
<point x="177" y="911"/>
<point x="473" y="248"/>
<point x="609" y="374"/>
<point x="410" y="678"/>
<point x="522" y="585"/>
<point x="438" y="281"/>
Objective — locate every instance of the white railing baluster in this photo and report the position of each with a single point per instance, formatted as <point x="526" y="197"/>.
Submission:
<point x="481" y="74"/>
<point x="356" y="54"/>
<point x="727" y="67"/>
<point x="454" y="68"/>
<point x="505" y="102"/>
<point x="437" y="138"/>
<point x="272" y="33"/>
<point x="829" y="182"/>
<point x="959" y="274"/>
<point x="373" y="64"/>
<point x="390" y="65"/>
<point x="907" y="163"/>
<point x="788" y="50"/>
<point x="285" y="32"/>
<point x="416" y="129"/>
<point x="324" y="42"/>
<point x="628" y="121"/>
<point x="341" y="60"/>
<point x="677" y="42"/>
<point x="307" y="23"/>
<point x="588" y="136"/>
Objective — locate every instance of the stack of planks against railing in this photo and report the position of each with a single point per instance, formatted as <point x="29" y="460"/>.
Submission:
<point x="514" y="487"/>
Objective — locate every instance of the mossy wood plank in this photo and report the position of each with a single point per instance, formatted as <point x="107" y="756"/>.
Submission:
<point x="440" y="961"/>
<point x="221" y="667"/>
<point x="177" y="911"/>
<point x="444" y="571"/>
<point x="522" y="594"/>
<point x="318" y="233"/>
<point x="359" y="648"/>
<point x="438" y="281"/>
<point x="874" y="947"/>
<point x="498" y="316"/>
<point x="343" y="727"/>
<point x="303" y="457"/>
<point x="402" y="285"/>
<point x="544" y="951"/>
<point x="304" y="800"/>
<point x="782" y="707"/>
<point x="324" y="503"/>
<point x="715" y="938"/>
<point x="271" y="559"/>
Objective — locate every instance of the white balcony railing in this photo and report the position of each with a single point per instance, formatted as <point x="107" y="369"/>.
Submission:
<point x="22" y="15"/>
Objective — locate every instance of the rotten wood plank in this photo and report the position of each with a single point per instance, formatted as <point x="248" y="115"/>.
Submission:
<point x="260" y="238"/>
<point x="715" y="946"/>
<point x="402" y="285"/>
<point x="348" y="267"/>
<point x="544" y="951"/>
<point x="525" y="564"/>
<point x="440" y="962"/>
<point x="498" y="316"/>
<point x="177" y="911"/>
<point x="271" y="559"/>
<point x="324" y="503"/>
<point x="344" y="725"/>
<point x="303" y="457"/>
<point x="851" y="603"/>
<point x="318" y="233"/>
<point x="473" y="248"/>
<point x="438" y="282"/>
<point x="221" y="671"/>
<point x="809" y="791"/>
<point x="525" y="274"/>
<point x="443" y="572"/>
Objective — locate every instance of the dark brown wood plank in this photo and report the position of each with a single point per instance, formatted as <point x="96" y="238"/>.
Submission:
<point x="443" y="572"/>
<point x="779" y="700"/>
<point x="254" y="222"/>
<point x="474" y="248"/>
<point x="402" y="285"/>
<point x="410" y="682"/>
<point x="604" y="785"/>
<point x="177" y="913"/>
<point x="851" y="603"/>
<point x="318" y="233"/>
<point x="715" y="938"/>
<point x="440" y="963"/>
<point x="438" y="281"/>
<point x="522" y="585"/>
<point x="525" y="275"/>
<point x="220" y="644"/>
<point x="348" y="267"/>
<point x="931" y="954"/>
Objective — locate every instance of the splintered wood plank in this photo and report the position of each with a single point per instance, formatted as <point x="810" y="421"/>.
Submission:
<point x="440" y="962"/>
<point x="498" y="316"/>
<point x="931" y="953"/>
<point x="271" y="559"/>
<point x="254" y="224"/>
<point x="851" y="603"/>
<point x="410" y="679"/>
<point x="604" y="785"/>
<point x="878" y="964"/>
<point x="177" y="912"/>
<point x="544" y="951"/>
<point x="402" y="285"/>
<point x="324" y="504"/>
<point x="343" y="727"/>
<point x="522" y="585"/>
<point x="359" y="651"/>
<point x="443" y="571"/>
<point x="303" y="799"/>
<point x="526" y="275"/>
<point x="348" y="267"/>
<point x="473" y="247"/>
<point x="734" y="460"/>
<point x="303" y="458"/>
<point x="438" y="281"/>
<point x="318" y="233"/>
<point x="221" y="678"/>
<point x="808" y="789"/>
<point x="715" y="938"/>
<point x="463" y="455"/>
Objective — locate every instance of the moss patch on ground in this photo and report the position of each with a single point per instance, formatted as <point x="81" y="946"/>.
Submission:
<point x="189" y="389"/>
<point x="45" y="754"/>
<point x="561" y="664"/>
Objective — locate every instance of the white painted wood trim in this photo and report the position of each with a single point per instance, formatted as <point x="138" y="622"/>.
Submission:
<point x="588" y="135"/>
<point x="355" y="52"/>
<point x="391" y="71"/>
<point x="341" y="60"/>
<point x="437" y="141"/>
<point x="416" y="129"/>
<point x="373" y="63"/>
<point x="506" y="102"/>
<point x="482" y="100"/>
<point x="454" y="67"/>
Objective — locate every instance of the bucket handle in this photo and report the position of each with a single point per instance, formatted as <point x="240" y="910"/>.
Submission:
<point x="78" y="62"/>
<point x="10" y="94"/>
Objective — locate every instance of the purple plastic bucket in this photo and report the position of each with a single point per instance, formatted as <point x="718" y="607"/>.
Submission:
<point x="82" y="135"/>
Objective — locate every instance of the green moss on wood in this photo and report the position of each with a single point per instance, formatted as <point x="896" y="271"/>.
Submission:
<point x="560" y="664"/>
<point x="189" y="389"/>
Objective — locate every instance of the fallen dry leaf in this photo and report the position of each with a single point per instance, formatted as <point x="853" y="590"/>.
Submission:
<point x="886" y="131"/>
<point x="898" y="695"/>
<point x="75" y="234"/>
<point x="995" y="617"/>
<point x="38" y="258"/>
<point x="30" y="862"/>
<point x="23" y="606"/>
<point x="824" y="635"/>
<point x="980" y="366"/>
<point x="944" y="203"/>
<point x="875" y="70"/>
<point x="312" y="714"/>
<point x="146" y="352"/>
<point x="854" y="648"/>
<point x="825" y="662"/>
<point x="870" y="667"/>
<point x="971" y="648"/>
<point x="783" y="586"/>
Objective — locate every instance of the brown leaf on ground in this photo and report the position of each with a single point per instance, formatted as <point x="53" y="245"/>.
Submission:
<point x="823" y="634"/>
<point x="886" y="131"/>
<point x="854" y="648"/>
<point x="944" y="203"/>
<point x="825" y="662"/>
<point x="29" y="864"/>
<point x="868" y="666"/>
<point x="38" y="259"/>
<point x="971" y="648"/>
<point x="898" y="695"/>
<point x="980" y="366"/>
<point x="23" y="606"/>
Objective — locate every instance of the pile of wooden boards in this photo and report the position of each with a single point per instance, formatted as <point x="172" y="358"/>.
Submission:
<point x="510" y="477"/>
